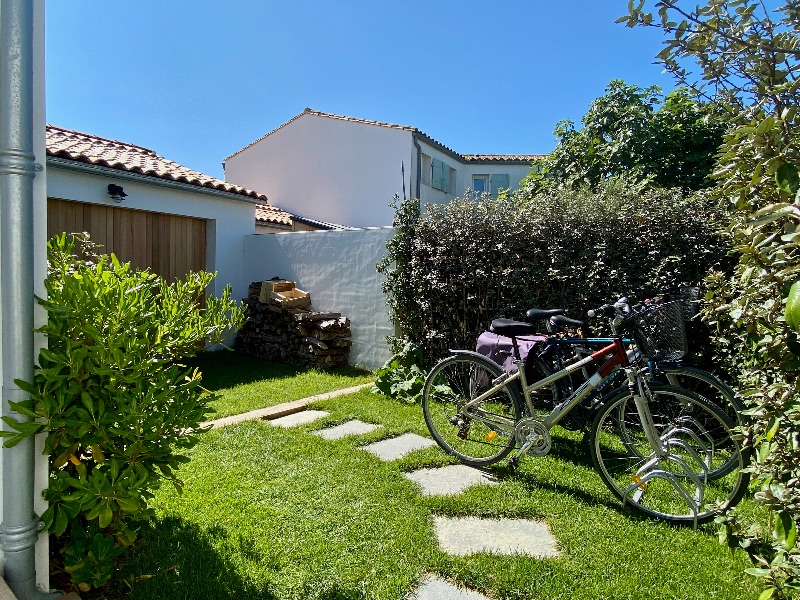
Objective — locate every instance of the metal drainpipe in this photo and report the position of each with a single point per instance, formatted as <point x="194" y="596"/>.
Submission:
<point x="419" y="164"/>
<point x="20" y="526"/>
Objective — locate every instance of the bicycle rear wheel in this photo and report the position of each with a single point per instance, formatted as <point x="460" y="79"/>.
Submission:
<point x="706" y="384"/>
<point x="699" y="476"/>
<point x="479" y="434"/>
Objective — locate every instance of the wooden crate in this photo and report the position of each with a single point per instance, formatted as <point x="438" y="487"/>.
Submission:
<point x="292" y="298"/>
<point x="267" y="287"/>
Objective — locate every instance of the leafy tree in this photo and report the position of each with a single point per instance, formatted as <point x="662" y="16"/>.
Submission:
<point x="668" y="141"/>
<point x="118" y="408"/>
<point x="745" y="54"/>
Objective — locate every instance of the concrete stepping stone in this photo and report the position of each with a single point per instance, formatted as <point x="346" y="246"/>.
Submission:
<point x="471" y="535"/>
<point x="354" y="427"/>
<point x="450" y="480"/>
<point x="299" y="418"/>
<point x="433" y="588"/>
<point x="398" y="447"/>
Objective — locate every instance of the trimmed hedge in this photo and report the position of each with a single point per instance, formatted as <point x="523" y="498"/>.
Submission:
<point x="453" y="268"/>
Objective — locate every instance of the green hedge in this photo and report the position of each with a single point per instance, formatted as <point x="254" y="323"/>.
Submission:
<point x="453" y="268"/>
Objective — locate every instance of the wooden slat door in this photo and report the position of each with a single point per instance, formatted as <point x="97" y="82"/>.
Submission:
<point x="169" y="245"/>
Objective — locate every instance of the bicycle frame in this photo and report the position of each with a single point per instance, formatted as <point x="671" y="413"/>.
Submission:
<point x="616" y="357"/>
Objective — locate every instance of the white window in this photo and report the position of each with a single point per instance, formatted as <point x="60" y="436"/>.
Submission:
<point x="426" y="169"/>
<point x="480" y="184"/>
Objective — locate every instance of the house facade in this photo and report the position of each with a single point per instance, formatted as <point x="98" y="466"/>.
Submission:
<point x="164" y="216"/>
<point x="345" y="170"/>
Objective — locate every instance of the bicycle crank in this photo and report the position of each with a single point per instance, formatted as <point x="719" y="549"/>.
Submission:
<point x="532" y="437"/>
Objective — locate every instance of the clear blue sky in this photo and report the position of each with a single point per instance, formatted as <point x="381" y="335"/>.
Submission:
<point x="197" y="80"/>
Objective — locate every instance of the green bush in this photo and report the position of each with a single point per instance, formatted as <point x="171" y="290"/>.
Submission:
<point x="118" y="408"/>
<point x="454" y="268"/>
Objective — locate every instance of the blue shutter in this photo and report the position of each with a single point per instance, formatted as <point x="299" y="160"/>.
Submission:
<point x="445" y="178"/>
<point x="499" y="182"/>
<point x="436" y="174"/>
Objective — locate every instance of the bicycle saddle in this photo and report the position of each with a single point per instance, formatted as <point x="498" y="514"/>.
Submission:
<point x="543" y="313"/>
<point x="510" y="328"/>
<point x="560" y="321"/>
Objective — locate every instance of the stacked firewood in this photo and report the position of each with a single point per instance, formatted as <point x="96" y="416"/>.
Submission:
<point x="293" y="335"/>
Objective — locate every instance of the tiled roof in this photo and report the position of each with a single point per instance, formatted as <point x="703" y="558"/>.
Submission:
<point x="94" y="150"/>
<point x="515" y="158"/>
<point x="506" y="158"/>
<point x="271" y="214"/>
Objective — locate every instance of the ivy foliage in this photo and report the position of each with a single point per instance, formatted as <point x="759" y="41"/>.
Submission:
<point x="118" y="408"/>
<point x="666" y="141"/>
<point x="744" y="53"/>
<point x="453" y="268"/>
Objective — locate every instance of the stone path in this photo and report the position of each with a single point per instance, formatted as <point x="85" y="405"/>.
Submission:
<point x="450" y="480"/>
<point x="456" y="536"/>
<point x="398" y="447"/>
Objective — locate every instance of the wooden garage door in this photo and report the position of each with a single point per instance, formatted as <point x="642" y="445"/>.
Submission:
<point x="168" y="244"/>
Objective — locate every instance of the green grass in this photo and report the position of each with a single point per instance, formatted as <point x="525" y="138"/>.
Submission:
<point x="282" y="514"/>
<point x="245" y="383"/>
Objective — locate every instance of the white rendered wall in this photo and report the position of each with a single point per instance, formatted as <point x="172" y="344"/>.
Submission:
<point x="338" y="269"/>
<point x="464" y="173"/>
<point x="328" y="169"/>
<point x="228" y="220"/>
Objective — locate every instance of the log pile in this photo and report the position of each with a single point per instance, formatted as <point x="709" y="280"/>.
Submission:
<point x="294" y="335"/>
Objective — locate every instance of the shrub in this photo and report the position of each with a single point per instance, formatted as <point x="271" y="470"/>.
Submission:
<point x="118" y="407"/>
<point x="453" y="269"/>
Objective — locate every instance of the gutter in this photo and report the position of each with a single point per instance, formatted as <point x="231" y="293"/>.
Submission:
<point x="20" y="527"/>
<point x="414" y="135"/>
<point x="81" y="167"/>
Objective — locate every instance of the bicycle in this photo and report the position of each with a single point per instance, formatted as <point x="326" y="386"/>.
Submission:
<point x="669" y="463"/>
<point x="558" y="351"/>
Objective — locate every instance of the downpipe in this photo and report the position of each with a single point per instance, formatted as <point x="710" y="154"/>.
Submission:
<point x="20" y="527"/>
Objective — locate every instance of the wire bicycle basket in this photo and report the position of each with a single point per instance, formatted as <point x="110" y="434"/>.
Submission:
<point x="659" y="331"/>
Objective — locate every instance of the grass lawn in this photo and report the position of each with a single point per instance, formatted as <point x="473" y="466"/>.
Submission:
<point x="281" y="514"/>
<point x="245" y="383"/>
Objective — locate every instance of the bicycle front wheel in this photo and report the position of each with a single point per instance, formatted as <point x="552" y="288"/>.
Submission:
<point x="477" y="433"/>
<point x="697" y="476"/>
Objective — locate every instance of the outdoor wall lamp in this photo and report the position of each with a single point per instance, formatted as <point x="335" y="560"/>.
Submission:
<point x="116" y="192"/>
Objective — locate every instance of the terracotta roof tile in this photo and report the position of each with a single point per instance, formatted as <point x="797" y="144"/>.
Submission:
<point x="95" y="150"/>
<point x="517" y="158"/>
<point x="272" y="214"/>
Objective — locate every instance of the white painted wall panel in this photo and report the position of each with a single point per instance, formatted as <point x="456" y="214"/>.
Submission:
<point x="338" y="269"/>
<point x="228" y="220"/>
<point x="328" y="169"/>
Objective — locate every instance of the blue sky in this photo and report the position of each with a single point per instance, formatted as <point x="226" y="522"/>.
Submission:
<point x="197" y="80"/>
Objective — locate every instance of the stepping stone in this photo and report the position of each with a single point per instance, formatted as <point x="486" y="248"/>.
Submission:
<point x="450" y="480"/>
<point x="471" y="535"/>
<point x="433" y="588"/>
<point x="299" y="418"/>
<point x="354" y="427"/>
<point x="398" y="447"/>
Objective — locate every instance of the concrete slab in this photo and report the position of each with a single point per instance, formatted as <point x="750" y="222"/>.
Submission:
<point x="433" y="588"/>
<point x="450" y="480"/>
<point x="354" y="427"/>
<point x="299" y="418"/>
<point x="398" y="447"/>
<point x="471" y="535"/>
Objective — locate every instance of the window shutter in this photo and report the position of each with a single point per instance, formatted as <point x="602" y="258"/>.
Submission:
<point x="499" y="182"/>
<point x="445" y="178"/>
<point x="436" y="176"/>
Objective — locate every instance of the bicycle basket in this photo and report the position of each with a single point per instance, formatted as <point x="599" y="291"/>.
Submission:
<point x="659" y="331"/>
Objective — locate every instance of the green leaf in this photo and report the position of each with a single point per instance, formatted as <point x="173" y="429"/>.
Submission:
<point x="767" y="593"/>
<point x="787" y="178"/>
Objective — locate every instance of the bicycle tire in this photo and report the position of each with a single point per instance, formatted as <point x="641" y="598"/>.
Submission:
<point x="617" y="429"/>
<point x="706" y="384"/>
<point x="482" y="434"/>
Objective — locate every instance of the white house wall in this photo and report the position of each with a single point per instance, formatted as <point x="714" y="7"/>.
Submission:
<point x="328" y="169"/>
<point x="228" y="220"/>
<point x="338" y="269"/>
<point x="464" y="173"/>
